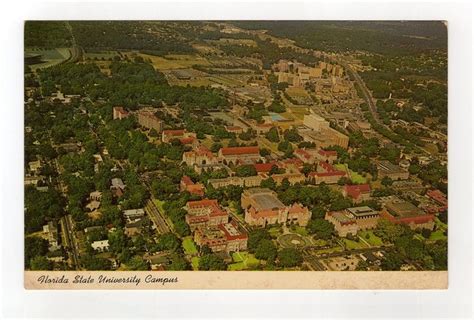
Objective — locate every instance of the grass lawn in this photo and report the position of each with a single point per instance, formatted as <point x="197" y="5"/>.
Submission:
<point x="159" y="205"/>
<point x="355" y="177"/>
<point x="350" y="244"/>
<point x="373" y="240"/>
<point x="195" y="263"/>
<point x="440" y="224"/>
<point x="437" y="235"/>
<point x="299" y="230"/>
<point x="274" y="231"/>
<point x="319" y="242"/>
<point x="243" y="260"/>
<point x="189" y="246"/>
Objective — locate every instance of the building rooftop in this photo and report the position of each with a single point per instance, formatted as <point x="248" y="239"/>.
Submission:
<point x="240" y="150"/>
<point x="361" y="211"/>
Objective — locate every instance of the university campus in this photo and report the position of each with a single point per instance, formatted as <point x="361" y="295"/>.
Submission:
<point x="235" y="145"/>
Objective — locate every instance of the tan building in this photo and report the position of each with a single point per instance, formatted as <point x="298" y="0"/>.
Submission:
<point x="262" y="207"/>
<point x="393" y="171"/>
<point x="252" y="181"/>
<point x="292" y="178"/>
<point x="352" y="220"/>
<point x="205" y="213"/>
<point x="318" y="131"/>
<point x="200" y="156"/>
<point x="120" y="113"/>
<point x="314" y="155"/>
<point x="148" y="120"/>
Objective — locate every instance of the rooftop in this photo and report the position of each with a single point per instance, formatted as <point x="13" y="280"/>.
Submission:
<point x="240" y="150"/>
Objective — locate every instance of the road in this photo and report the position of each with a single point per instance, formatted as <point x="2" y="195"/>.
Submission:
<point x="157" y="217"/>
<point x="71" y="245"/>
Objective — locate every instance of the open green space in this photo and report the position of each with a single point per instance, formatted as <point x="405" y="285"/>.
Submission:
<point x="351" y="244"/>
<point x="243" y="260"/>
<point x="299" y="230"/>
<point x="189" y="246"/>
<point x="371" y="238"/>
<point x="195" y="263"/>
<point x="355" y="177"/>
<point x="438" y="235"/>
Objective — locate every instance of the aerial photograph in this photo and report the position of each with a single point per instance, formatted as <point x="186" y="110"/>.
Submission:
<point x="235" y="145"/>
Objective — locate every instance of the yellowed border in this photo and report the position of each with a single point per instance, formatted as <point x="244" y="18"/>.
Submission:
<point x="239" y="280"/>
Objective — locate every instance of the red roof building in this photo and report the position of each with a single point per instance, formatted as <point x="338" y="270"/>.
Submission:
<point x="240" y="154"/>
<point x="358" y="193"/>
<point x="205" y="213"/>
<point x="438" y="197"/>
<point x="194" y="188"/>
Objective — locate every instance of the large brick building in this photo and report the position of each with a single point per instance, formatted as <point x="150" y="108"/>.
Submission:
<point x="199" y="156"/>
<point x="326" y="173"/>
<point x="352" y="220"/>
<point x="228" y="237"/>
<point x="358" y="192"/>
<point x="236" y="155"/>
<point x="402" y="212"/>
<point x="393" y="171"/>
<point x="262" y="207"/>
<point x="205" y="213"/>
<point x="148" y="120"/>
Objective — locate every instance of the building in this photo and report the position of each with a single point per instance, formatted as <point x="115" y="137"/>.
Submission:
<point x="205" y="213"/>
<point x="317" y="130"/>
<point x="188" y="185"/>
<point x="136" y="227"/>
<point x="393" y="171"/>
<point x="200" y="156"/>
<point x="328" y="156"/>
<point x="228" y="237"/>
<point x="325" y="138"/>
<point x="326" y="173"/>
<point x="265" y="167"/>
<point x="100" y="246"/>
<point x="262" y="207"/>
<point x="353" y="220"/>
<point x="117" y="187"/>
<point x="252" y="181"/>
<point x="315" y="122"/>
<point x="358" y="192"/>
<point x="181" y="135"/>
<point x="120" y="113"/>
<point x="95" y="195"/>
<point x="402" y="212"/>
<point x="133" y="214"/>
<point x="439" y="198"/>
<point x="292" y="178"/>
<point x="148" y="120"/>
<point x="234" y="129"/>
<point x="239" y="155"/>
<point x="51" y="229"/>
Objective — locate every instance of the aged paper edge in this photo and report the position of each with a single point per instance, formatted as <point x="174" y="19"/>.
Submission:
<point x="169" y="280"/>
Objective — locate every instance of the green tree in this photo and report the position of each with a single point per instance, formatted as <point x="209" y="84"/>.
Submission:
<point x="41" y="263"/>
<point x="212" y="262"/>
<point x="289" y="257"/>
<point x="321" y="228"/>
<point x="272" y="135"/>
<point x="266" y="250"/>
<point x="255" y="237"/>
<point x="137" y="263"/>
